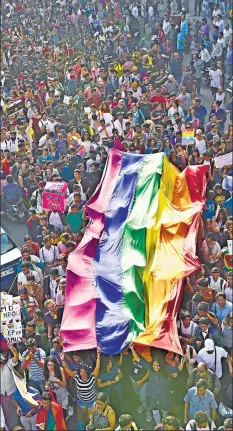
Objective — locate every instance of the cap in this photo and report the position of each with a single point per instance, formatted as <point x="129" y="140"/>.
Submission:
<point x="41" y="183"/>
<point x="215" y="269"/>
<point x="204" y="321"/>
<point x="170" y="76"/>
<point x="209" y="345"/>
<point x="53" y="271"/>
<point x="30" y="342"/>
<point x="121" y="101"/>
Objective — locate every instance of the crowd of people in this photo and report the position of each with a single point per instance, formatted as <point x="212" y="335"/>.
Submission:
<point x="78" y="78"/>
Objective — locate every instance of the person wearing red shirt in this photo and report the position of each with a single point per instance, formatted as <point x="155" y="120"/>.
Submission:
<point x="158" y="98"/>
<point x="93" y="96"/>
<point x="6" y="166"/>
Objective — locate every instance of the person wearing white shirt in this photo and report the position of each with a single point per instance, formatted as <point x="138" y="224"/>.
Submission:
<point x="22" y="276"/>
<point x="215" y="76"/>
<point x="166" y="26"/>
<point x="216" y="12"/>
<point x="201" y="422"/>
<point x="77" y="189"/>
<point x="212" y="356"/>
<point x="8" y="387"/>
<point x="215" y="281"/>
<point x="229" y="288"/>
<point x="221" y="41"/>
<point x="216" y="50"/>
<point x="205" y="55"/>
<point x="119" y="124"/>
<point x="227" y="33"/>
<point x="48" y="254"/>
<point x="134" y="11"/>
<point x="105" y="130"/>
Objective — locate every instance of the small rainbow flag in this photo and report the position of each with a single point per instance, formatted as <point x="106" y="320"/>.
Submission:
<point x="188" y="137"/>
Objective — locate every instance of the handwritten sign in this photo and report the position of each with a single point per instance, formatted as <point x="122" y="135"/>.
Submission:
<point x="187" y="137"/>
<point x="11" y="325"/>
<point x="230" y="246"/>
<point x="224" y="160"/>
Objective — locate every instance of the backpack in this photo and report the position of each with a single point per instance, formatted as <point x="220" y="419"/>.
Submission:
<point x="193" y="424"/>
<point x="221" y="282"/>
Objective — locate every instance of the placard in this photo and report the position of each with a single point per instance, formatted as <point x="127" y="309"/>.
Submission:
<point x="224" y="160"/>
<point x="11" y="325"/>
<point x="230" y="246"/>
<point x="187" y="137"/>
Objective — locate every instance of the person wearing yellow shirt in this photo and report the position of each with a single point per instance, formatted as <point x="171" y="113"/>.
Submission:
<point x="71" y="135"/>
<point x="119" y="68"/>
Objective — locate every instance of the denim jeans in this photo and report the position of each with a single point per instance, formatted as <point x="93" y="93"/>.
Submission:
<point x="141" y="391"/>
<point x="38" y="384"/>
<point x="157" y="416"/>
<point x="29" y="424"/>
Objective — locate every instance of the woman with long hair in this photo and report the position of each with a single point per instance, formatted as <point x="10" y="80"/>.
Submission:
<point x="56" y="381"/>
<point x="195" y="158"/>
<point x="166" y="147"/>
<point x="53" y="151"/>
<point x="157" y="391"/>
<point x="102" y="415"/>
<point x="85" y="385"/>
<point x="104" y="109"/>
<point x="192" y="118"/>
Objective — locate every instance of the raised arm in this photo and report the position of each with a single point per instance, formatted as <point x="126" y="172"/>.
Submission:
<point x="65" y="366"/>
<point x="97" y="365"/>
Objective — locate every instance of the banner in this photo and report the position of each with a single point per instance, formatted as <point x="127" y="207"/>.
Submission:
<point x="224" y="160"/>
<point x="187" y="137"/>
<point x="22" y="388"/>
<point x="11" y="325"/>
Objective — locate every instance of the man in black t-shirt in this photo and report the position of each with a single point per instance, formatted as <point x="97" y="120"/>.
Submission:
<point x="139" y="375"/>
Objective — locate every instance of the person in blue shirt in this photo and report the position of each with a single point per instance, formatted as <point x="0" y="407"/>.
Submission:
<point x="200" y="110"/>
<point x="11" y="191"/>
<point x="184" y="27"/>
<point x="210" y="210"/>
<point x="109" y="380"/>
<point x="180" y="42"/>
<point x="199" y="398"/>
<point x="157" y="392"/>
<point x="26" y="411"/>
<point x="45" y="157"/>
<point x="221" y="308"/>
<point x="65" y="172"/>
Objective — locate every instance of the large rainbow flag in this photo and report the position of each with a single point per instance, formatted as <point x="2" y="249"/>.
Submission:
<point x="124" y="280"/>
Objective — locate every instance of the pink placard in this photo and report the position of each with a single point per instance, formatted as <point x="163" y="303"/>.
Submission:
<point x="53" y="201"/>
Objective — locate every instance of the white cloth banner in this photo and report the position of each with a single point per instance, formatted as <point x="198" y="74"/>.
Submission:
<point x="224" y="160"/>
